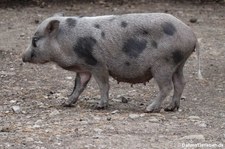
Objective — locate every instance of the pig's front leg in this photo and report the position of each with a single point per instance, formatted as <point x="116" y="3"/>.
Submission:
<point x="81" y="82"/>
<point x="102" y="79"/>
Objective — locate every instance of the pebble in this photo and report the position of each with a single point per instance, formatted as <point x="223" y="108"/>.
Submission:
<point x="133" y="116"/>
<point x="193" y="20"/>
<point x="12" y="101"/>
<point x="5" y="129"/>
<point x="36" y="126"/>
<point x="22" y="34"/>
<point x="116" y="100"/>
<point x="97" y="118"/>
<point x="174" y="117"/>
<point x="29" y="139"/>
<point x="194" y="118"/>
<point x="193" y="137"/>
<point x="158" y="115"/>
<point x="54" y="113"/>
<point x="38" y="122"/>
<point x="98" y="130"/>
<point x="89" y="146"/>
<point x="109" y="118"/>
<point x="16" y="109"/>
<point x="142" y="115"/>
<point x="124" y="100"/>
<point x="201" y="124"/>
<point x="69" y="78"/>
<point x="115" y="111"/>
<point x="36" y="21"/>
<point x="153" y="119"/>
<point x="183" y="98"/>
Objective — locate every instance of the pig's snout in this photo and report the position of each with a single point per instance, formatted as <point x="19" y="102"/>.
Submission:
<point x="26" y="57"/>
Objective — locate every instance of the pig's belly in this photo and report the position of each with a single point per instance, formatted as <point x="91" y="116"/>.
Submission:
<point x="131" y="76"/>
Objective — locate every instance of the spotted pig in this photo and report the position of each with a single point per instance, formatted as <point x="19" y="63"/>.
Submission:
<point x="131" y="48"/>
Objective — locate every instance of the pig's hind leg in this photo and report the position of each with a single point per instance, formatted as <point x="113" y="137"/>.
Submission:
<point x="163" y="77"/>
<point x="81" y="81"/>
<point x="179" y="83"/>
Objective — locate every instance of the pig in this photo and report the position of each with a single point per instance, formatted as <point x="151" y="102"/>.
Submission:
<point x="132" y="48"/>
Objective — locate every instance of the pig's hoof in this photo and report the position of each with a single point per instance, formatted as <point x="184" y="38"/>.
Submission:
<point x="101" y="106"/>
<point x="152" y="109"/>
<point x="67" y="104"/>
<point x="171" y="108"/>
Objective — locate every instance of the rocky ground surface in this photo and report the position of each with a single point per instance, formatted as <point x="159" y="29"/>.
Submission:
<point x="30" y="95"/>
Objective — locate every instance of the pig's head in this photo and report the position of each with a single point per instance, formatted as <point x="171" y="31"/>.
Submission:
<point x="44" y="46"/>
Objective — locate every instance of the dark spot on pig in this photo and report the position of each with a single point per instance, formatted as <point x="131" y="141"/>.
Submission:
<point x="145" y="32"/>
<point x="71" y="22"/>
<point x="133" y="47"/>
<point x="177" y="56"/>
<point x="127" y="63"/>
<point x="97" y="26"/>
<point x="168" y="28"/>
<point x="84" y="48"/>
<point x="154" y="44"/>
<point x="80" y="16"/>
<point x="103" y="34"/>
<point x="123" y="24"/>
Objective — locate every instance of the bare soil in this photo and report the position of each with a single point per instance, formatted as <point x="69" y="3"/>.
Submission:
<point x="31" y="115"/>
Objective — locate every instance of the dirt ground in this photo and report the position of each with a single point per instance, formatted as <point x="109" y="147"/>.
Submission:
<point x="31" y="115"/>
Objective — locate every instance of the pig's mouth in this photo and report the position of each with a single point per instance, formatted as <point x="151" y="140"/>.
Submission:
<point x="33" y="60"/>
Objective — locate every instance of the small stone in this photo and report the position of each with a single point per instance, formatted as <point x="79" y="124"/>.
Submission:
<point x="174" y="117"/>
<point x="153" y="119"/>
<point x="116" y="100"/>
<point x="22" y="34"/>
<point x="194" y="118"/>
<point x="124" y="100"/>
<point x="95" y="137"/>
<point x="36" y="21"/>
<point x="29" y="139"/>
<point x="193" y="137"/>
<point x="97" y="118"/>
<point x="109" y="118"/>
<point x="69" y="78"/>
<point x="193" y="20"/>
<point x="90" y="146"/>
<point x="115" y="111"/>
<point x="142" y="115"/>
<point x="201" y="124"/>
<point x="38" y="122"/>
<point x="12" y="101"/>
<point x="16" y="109"/>
<point x="183" y="98"/>
<point x="54" y="113"/>
<point x="133" y="116"/>
<point x="4" y="129"/>
<point x="194" y="99"/>
<point x="36" y="126"/>
<point x="98" y="130"/>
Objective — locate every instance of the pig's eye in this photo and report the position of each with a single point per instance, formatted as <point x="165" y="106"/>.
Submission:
<point x="34" y="41"/>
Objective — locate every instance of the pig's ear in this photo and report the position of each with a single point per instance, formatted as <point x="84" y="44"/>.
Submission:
<point x="52" y="27"/>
